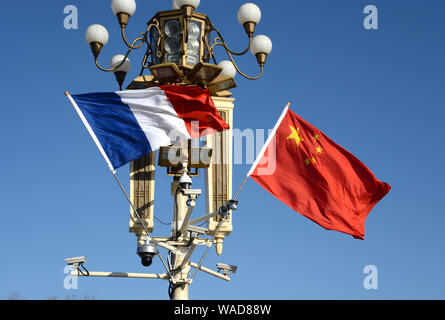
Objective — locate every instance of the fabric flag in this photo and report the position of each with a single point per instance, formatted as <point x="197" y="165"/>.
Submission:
<point x="126" y="125"/>
<point x="318" y="178"/>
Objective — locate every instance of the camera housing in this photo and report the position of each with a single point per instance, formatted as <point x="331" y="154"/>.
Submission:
<point x="146" y="252"/>
<point x="231" y="205"/>
<point x="226" y="268"/>
<point x="76" y="260"/>
<point x="185" y="182"/>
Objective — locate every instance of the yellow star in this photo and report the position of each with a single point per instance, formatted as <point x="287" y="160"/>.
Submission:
<point x="319" y="149"/>
<point x="313" y="160"/>
<point x="315" y="137"/>
<point x="295" y="135"/>
<point x="307" y="161"/>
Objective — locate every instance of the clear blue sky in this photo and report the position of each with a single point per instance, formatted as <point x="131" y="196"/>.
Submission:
<point x="380" y="94"/>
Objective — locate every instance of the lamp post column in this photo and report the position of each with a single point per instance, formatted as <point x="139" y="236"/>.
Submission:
<point x="180" y="290"/>
<point x="181" y="287"/>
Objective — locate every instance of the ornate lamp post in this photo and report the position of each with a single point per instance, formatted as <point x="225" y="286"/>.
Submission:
<point x="178" y="45"/>
<point x="179" y="49"/>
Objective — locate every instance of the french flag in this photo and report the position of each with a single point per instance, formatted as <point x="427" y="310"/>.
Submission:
<point x="126" y="125"/>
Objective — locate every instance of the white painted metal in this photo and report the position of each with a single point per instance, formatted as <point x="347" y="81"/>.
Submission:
<point x="209" y="271"/>
<point x="163" y="276"/>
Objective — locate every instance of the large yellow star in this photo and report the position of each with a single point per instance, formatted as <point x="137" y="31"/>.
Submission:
<point x="295" y="135"/>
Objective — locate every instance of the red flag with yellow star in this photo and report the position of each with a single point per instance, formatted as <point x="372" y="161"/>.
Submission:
<point x="318" y="178"/>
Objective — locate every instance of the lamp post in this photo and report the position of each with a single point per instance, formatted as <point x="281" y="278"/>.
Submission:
<point x="179" y="49"/>
<point x="178" y="45"/>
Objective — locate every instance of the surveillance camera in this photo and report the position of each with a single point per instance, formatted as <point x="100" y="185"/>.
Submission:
<point x="146" y="252"/>
<point x="226" y="268"/>
<point x="231" y="205"/>
<point x="185" y="181"/>
<point x="198" y="230"/>
<point x="76" y="260"/>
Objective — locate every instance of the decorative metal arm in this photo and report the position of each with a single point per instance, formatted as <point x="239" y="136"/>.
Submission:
<point x="116" y="67"/>
<point x="144" y="61"/>
<point x="241" y="73"/>
<point x="142" y="39"/>
<point x="134" y="45"/>
<point x="155" y="24"/>
<point x="144" y="35"/>
<point x="150" y="52"/>
<point x="219" y="41"/>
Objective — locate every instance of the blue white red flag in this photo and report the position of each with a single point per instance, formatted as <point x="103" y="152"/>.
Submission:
<point x="126" y="125"/>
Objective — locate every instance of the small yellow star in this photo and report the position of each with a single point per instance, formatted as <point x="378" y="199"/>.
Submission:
<point x="319" y="149"/>
<point x="313" y="160"/>
<point x="307" y="161"/>
<point x="315" y="137"/>
<point x="295" y="135"/>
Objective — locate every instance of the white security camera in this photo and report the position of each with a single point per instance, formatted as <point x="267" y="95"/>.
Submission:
<point x="185" y="181"/>
<point x="76" y="260"/>
<point x="226" y="268"/>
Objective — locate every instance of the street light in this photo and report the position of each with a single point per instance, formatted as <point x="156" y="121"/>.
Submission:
<point x="179" y="49"/>
<point x="261" y="47"/>
<point x="122" y="69"/>
<point x="228" y="69"/>
<point x="249" y="15"/>
<point x="123" y="9"/>
<point x="97" y="37"/>
<point x="192" y="3"/>
<point x="225" y="80"/>
<point x="178" y="43"/>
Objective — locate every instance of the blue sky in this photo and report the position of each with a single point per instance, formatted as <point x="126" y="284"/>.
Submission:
<point x="378" y="93"/>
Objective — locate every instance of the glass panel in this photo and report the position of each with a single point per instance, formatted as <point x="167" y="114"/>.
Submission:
<point x="172" y="30"/>
<point x="154" y="36"/>
<point x="194" y="44"/>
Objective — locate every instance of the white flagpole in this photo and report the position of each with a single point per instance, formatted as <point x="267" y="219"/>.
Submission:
<point x="113" y="171"/>
<point x="263" y="149"/>
<point x="99" y="146"/>
<point x="257" y="160"/>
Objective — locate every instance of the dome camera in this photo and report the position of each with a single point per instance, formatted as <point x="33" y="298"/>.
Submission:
<point x="146" y="252"/>
<point x="185" y="182"/>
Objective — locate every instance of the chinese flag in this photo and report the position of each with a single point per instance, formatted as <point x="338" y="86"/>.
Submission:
<point x="318" y="178"/>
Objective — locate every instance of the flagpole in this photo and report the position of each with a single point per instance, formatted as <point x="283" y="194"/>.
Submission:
<point x="240" y="187"/>
<point x="142" y="223"/>
<point x="259" y="156"/>
<point x="263" y="149"/>
<point x="113" y="171"/>
<point x="102" y="151"/>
